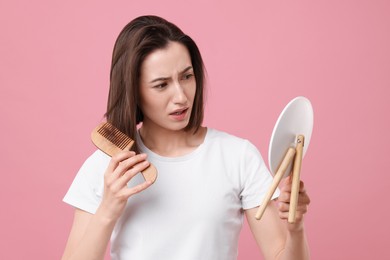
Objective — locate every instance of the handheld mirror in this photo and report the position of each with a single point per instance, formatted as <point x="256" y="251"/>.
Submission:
<point x="289" y="141"/>
<point x="295" y="119"/>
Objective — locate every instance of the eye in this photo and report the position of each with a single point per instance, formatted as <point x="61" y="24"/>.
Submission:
<point x="188" y="76"/>
<point x="160" y="86"/>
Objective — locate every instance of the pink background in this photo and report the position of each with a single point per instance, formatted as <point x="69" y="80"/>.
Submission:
<point x="54" y="65"/>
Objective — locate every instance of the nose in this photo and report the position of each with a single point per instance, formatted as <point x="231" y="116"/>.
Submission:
<point x="179" y="95"/>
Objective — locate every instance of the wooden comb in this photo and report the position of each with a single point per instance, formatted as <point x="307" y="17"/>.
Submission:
<point x="111" y="141"/>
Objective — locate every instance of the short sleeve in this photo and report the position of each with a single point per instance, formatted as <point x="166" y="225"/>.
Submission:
<point x="86" y="189"/>
<point x="255" y="178"/>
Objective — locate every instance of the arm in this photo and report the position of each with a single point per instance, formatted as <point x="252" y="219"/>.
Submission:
<point x="91" y="233"/>
<point x="89" y="236"/>
<point x="277" y="238"/>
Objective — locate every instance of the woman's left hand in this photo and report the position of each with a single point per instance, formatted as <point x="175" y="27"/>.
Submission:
<point x="283" y="203"/>
<point x="277" y="238"/>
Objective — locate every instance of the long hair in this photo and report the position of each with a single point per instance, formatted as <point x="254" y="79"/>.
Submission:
<point x="137" y="40"/>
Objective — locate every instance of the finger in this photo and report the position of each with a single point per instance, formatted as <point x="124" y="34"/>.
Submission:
<point x="121" y="182"/>
<point x="109" y="176"/>
<point x="129" y="174"/>
<point x="125" y="165"/>
<point x="299" y="213"/>
<point x="116" y="159"/>
<point x="283" y="207"/>
<point x="303" y="200"/>
<point x="284" y="197"/>
<point x="128" y="192"/>
<point x="283" y="215"/>
<point x="302" y="209"/>
<point x="302" y="187"/>
<point x="298" y="216"/>
<point x="286" y="184"/>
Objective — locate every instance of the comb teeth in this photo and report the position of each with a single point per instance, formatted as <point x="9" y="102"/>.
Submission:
<point x="114" y="135"/>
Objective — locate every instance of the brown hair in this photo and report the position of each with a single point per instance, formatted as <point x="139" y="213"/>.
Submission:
<point x="137" y="40"/>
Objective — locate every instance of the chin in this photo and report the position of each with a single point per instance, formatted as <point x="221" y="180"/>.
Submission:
<point x="180" y="126"/>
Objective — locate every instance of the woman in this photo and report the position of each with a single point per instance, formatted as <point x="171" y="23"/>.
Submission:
<point x="207" y="179"/>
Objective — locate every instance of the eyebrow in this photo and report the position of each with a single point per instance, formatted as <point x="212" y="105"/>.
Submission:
<point x="166" y="78"/>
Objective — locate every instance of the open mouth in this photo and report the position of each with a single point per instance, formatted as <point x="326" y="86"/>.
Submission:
<point x="177" y="113"/>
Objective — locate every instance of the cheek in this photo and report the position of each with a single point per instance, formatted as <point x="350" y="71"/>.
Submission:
<point x="149" y="105"/>
<point x="191" y="91"/>
<point x="146" y="105"/>
<point x="154" y="104"/>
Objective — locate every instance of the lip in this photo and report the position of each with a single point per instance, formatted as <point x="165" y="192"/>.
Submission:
<point x="179" y="114"/>
<point x="179" y="110"/>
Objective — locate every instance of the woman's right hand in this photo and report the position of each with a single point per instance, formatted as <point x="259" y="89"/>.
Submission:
<point x="91" y="233"/>
<point x="121" y="169"/>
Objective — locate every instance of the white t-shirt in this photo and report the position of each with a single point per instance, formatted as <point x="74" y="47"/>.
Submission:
<point x="194" y="210"/>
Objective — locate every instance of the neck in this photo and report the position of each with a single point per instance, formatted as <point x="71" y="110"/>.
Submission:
<point x="171" y="143"/>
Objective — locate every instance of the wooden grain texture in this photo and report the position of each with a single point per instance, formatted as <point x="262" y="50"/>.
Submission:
<point x="296" y="179"/>
<point x="275" y="183"/>
<point x="111" y="141"/>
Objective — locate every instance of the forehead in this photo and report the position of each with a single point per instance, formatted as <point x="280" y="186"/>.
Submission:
<point x="166" y="62"/>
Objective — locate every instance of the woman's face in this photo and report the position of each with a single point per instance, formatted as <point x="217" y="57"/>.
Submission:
<point x="167" y="88"/>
